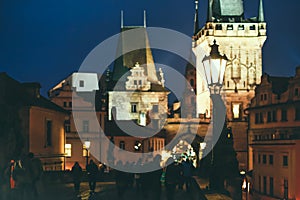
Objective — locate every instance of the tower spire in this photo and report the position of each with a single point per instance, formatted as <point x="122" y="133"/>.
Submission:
<point x="122" y="22"/>
<point x="196" y="20"/>
<point x="145" y="20"/>
<point x="209" y="12"/>
<point x="261" y="16"/>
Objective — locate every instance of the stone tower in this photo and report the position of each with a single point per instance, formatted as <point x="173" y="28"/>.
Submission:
<point x="241" y="40"/>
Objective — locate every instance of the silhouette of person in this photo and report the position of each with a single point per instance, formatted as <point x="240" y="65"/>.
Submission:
<point x="76" y="174"/>
<point x="92" y="171"/>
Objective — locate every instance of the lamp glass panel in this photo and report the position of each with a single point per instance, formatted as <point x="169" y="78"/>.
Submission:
<point x="222" y="70"/>
<point x="87" y="144"/>
<point x="215" y="67"/>
<point x="207" y="69"/>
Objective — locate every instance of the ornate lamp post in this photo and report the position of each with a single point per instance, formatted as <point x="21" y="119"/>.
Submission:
<point x="87" y="145"/>
<point x="214" y="68"/>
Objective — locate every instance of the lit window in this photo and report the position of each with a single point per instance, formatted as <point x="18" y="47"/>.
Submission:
<point x="68" y="150"/>
<point x="236" y="110"/>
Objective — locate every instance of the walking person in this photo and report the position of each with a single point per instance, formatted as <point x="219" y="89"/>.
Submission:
<point x="92" y="171"/>
<point x="172" y="178"/>
<point x="187" y="167"/>
<point x="36" y="172"/>
<point x="76" y="174"/>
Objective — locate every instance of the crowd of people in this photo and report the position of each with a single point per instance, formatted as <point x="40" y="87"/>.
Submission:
<point x="21" y="177"/>
<point x="149" y="184"/>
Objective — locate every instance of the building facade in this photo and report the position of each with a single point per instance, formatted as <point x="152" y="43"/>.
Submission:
<point x="73" y="94"/>
<point x="241" y="40"/>
<point x="274" y="139"/>
<point x="40" y="123"/>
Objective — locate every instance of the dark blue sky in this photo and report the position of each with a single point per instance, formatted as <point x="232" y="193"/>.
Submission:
<point x="46" y="40"/>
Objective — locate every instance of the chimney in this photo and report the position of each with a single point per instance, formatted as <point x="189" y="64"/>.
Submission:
<point x="32" y="89"/>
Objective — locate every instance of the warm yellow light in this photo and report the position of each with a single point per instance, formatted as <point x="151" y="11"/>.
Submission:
<point x="236" y="111"/>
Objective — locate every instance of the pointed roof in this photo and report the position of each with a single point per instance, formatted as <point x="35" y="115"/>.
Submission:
<point x="196" y="20"/>
<point x="143" y="56"/>
<point x="261" y="16"/>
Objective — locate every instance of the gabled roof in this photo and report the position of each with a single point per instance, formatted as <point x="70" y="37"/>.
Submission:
<point x="24" y="94"/>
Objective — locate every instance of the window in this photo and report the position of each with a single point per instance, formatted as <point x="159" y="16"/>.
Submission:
<point x="259" y="158"/>
<point x="122" y="145"/>
<point x="230" y="27"/>
<point x="269" y="118"/>
<point x="253" y="158"/>
<point x="261" y="118"/>
<point x="285" y="188"/>
<point x="65" y="104"/>
<point x="283" y="115"/>
<point x="192" y="82"/>
<point x="48" y="133"/>
<point x="256" y="118"/>
<point x="134" y="108"/>
<point x="241" y="27"/>
<point x="236" y="110"/>
<point x="271" y="186"/>
<point x="140" y="82"/>
<point x="67" y="127"/>
<point x="296" y="92"/>
<point x="219" y="27"/>
<point x="261" y="97"/>
<point x="68" y="150"/>
<point x="81" y="83"/>
<point x="264" y="159"/>
<point x="274" y="115"/>
<point x="297" y="113"/>
<point x="285" y="161"/>
<point x="265" y="185"/>
<point x="265" y="97"/>
<point x="271" y="159"/>
<point x="85" y="126"/>
<point x="252" y="27"/>
<point x="70" y="104"/>
<point x="155" y="108"/>
<point x="135" y="82"/>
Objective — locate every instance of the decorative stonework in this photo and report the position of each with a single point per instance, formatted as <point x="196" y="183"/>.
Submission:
<point x="137" y="80"/>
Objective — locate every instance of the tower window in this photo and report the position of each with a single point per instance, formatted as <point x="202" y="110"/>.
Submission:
<point x="241" y="27"/>
<point x="81" y="83"/>
<point x="219" y="27"/>
<point x="229" y="27"/>
<point x="134" y="108"/>
<point x="296" y="92"/>
<point x="252" y="28"/>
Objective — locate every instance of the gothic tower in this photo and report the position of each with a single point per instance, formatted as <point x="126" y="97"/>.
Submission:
<point x="241" y="40"/>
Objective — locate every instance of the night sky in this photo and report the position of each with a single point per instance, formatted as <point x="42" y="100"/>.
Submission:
<point x="46" y="40"/>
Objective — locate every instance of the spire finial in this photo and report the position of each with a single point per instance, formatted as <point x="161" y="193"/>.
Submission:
<point x="209" y="13"/>
<point x="261" y="16"/>
<point x="122" y="22"/>
<point x="196" y="20"/>
<point x="145" y="20"/>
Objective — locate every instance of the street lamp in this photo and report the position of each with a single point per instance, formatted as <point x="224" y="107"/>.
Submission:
<point x="214" y="68"/>
<point x="87" y="145"/>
